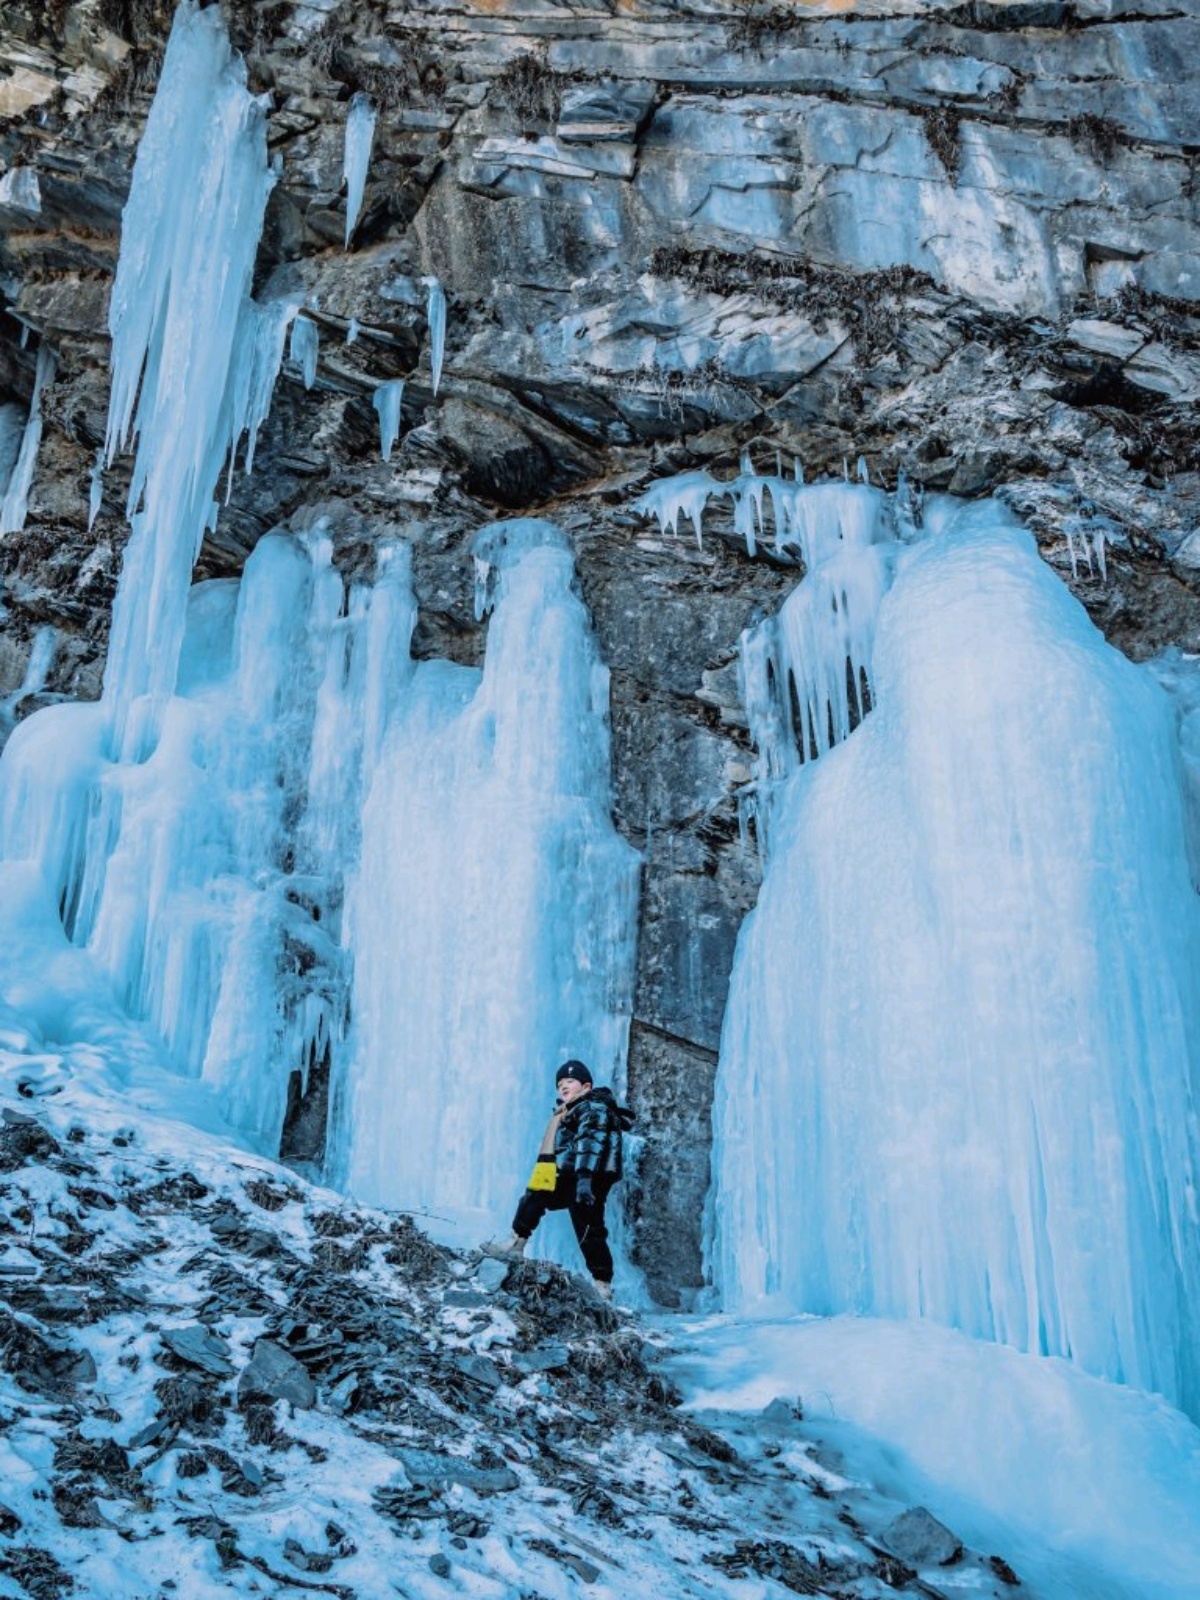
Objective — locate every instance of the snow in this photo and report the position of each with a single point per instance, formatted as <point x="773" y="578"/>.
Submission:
<point x="960" y="1042"/>
<point x="14" y="505"/>
<point x="1090" y="1490"/>
<point x="360" y="131"/>
<point x="386" y="401"/>
<point x="436" y="314"/>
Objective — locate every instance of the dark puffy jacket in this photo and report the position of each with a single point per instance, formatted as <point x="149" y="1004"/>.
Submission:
<point x="589" y="1136"/>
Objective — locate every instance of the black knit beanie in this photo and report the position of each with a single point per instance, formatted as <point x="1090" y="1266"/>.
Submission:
<point x="573" y="1069"/>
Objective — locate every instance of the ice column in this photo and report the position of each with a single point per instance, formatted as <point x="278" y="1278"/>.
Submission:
<point x="493" y="914"/>
<point x="958" y="1071"/>
<point x="360" y="131"/>
<point x="190" y="230"/>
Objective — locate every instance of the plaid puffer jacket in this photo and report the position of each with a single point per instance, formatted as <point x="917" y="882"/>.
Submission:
<point x="589" y="1136"/>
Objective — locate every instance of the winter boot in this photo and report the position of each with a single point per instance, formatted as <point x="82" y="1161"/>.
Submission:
<point x="604" y="1290"/>
<point x="509" y="1248"/>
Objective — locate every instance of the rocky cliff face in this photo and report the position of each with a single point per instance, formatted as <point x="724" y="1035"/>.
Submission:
<point x="959" y="242"/>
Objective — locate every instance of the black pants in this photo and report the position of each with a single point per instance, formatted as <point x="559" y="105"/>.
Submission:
<point x="588" y="1221"/>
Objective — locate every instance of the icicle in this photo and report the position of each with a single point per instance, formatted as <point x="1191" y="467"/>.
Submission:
<point x="360" y="131"/>
<point x="258" y="358"/>
<point x="386" y="401"/>
<point x="436" y="315"/>
<point x="686" y="494"/>
<point x="96" y="490"/>
<point x="353" y="329"/>
<point x="15" y="504"/>
<point x="305" y="343"/>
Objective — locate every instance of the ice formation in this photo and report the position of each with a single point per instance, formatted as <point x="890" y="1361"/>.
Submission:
<point x="436" y="314"/>
<point x="800" y="514"/>
<point x="959" y="1063"/>
<point x="360" y="132"/>
<point x="503" y="941"/>
<point x="15" y="502"/>
<point x="304" y="347"/>
<point x="386" y="401"/>
<point x="181" y="346"/>
<point x="182" y="860"/>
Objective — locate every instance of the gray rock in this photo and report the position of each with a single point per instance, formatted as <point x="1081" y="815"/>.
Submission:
<point x="200" y="1347"/>
<point x="428" y="1469"/>
<point x="273" y="1374"/>
<point x="916" y="1536"/>
<point x="546" y="1358"/>
<point x="490" y="1274"/>
<point x="481" y="1370"/>
<point x="439" y="1565"/>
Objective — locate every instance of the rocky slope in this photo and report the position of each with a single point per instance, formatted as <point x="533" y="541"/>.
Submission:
<point x="959" y="242"/>
<point x="215" y="1379"/>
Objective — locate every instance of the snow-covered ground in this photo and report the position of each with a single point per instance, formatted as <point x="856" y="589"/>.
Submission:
<point x="1091" y="1489"/>
<point x="473" y="1430"/>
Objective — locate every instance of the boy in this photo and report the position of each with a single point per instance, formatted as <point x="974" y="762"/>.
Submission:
<point x="584" y="1139"/>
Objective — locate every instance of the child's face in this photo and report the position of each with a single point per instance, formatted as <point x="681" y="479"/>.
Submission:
<point x="570" y="1089"/>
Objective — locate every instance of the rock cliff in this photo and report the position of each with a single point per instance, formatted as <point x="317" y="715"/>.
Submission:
<point x="959" y="242"/>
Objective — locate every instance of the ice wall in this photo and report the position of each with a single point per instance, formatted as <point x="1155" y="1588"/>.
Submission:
<point x="493" y="914"/>
<point x="180" y="348"/>
<point x="959" y="1065"/>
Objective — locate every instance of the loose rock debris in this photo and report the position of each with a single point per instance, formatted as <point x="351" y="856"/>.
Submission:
<point x="216" y="1381"/>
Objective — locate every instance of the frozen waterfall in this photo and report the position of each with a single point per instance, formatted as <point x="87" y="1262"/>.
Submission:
<point x="278" y="842"/>
<point x="493" y="913"/>
<point x="958" y="1069"/>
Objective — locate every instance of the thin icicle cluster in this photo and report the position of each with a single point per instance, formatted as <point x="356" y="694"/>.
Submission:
<point x="14" y="504"/>
<point x="188" y="367"/>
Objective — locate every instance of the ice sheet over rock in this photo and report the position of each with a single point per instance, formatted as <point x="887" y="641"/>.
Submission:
<point x="959" y="1063"/>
